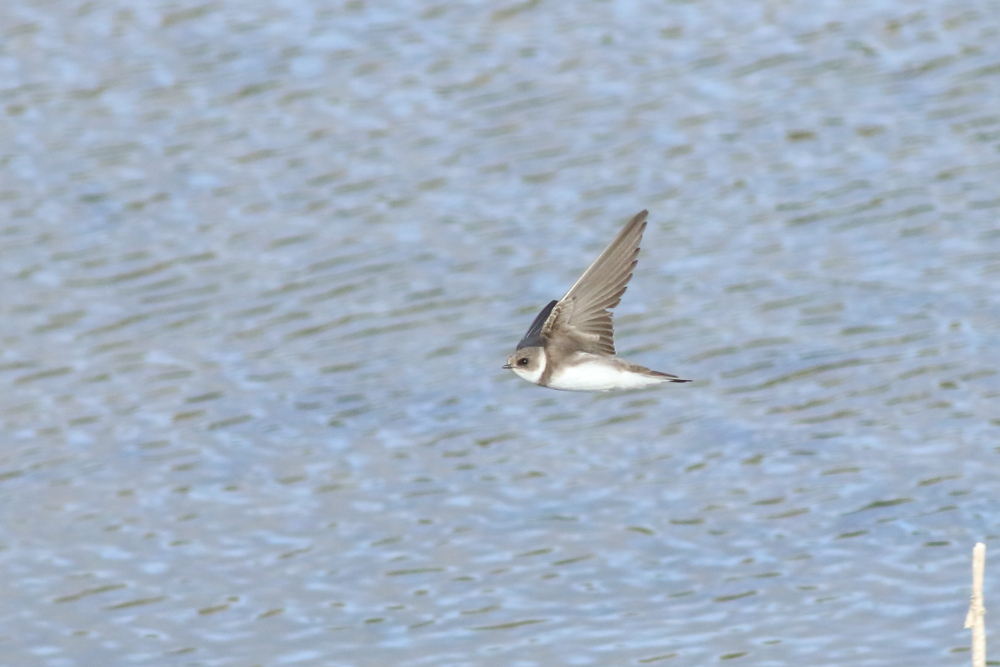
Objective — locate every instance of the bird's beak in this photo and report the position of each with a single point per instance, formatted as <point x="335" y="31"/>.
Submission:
<point x="507" y="366"/>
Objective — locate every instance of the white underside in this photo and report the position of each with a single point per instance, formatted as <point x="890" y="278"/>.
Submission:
<point x="598" y="376"/>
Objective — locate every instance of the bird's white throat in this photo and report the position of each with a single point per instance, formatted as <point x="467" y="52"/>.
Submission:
<point x="533" y="375"/>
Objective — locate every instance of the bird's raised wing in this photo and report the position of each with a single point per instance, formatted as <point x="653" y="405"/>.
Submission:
<point x="534" y="336"/>
<point x="581" y="320"/>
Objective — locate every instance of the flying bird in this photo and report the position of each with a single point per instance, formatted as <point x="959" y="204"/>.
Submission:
<point x="571" y="344"/>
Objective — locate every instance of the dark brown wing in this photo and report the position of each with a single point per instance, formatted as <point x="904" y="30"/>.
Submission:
<point x="534" y="336"/>
<point x="582" y="318"/>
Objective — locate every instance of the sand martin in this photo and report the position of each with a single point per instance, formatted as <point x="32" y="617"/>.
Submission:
<point x="571" y="344"/>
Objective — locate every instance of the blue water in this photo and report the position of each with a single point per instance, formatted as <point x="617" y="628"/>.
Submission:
<point x="261" y="263"/>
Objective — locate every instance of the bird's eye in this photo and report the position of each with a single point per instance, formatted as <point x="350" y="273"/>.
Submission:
<point x="523" y="361"/>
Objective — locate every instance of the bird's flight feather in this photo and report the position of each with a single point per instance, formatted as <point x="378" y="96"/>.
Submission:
<point x="582" y="317"/>
<point x="534" y="336"/>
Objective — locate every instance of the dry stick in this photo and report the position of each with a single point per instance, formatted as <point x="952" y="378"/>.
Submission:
<point x="974" y="619"/>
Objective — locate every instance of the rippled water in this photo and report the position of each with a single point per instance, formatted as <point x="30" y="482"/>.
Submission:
<point x="261" y="263"/>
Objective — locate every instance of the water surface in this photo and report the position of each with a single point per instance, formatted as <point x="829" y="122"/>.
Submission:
<point x="261" y="263"/>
